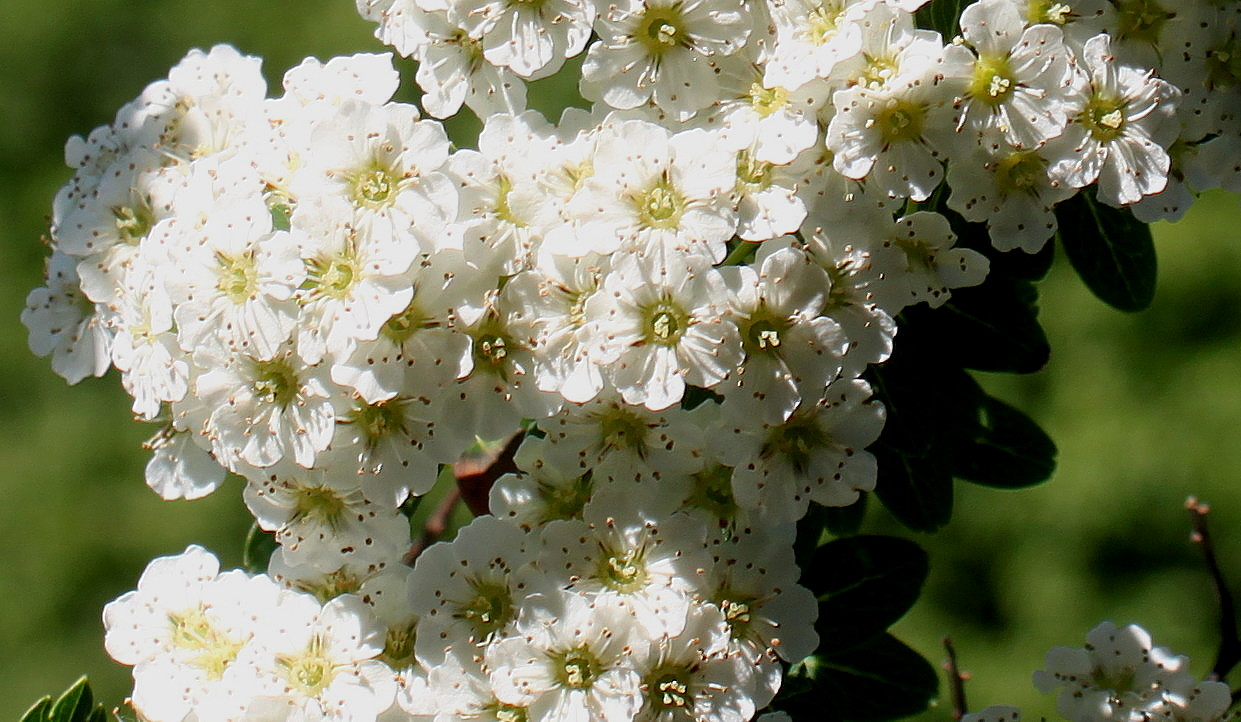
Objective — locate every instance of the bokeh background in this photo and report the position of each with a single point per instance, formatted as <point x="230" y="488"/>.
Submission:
<point x="1146" y="408"/>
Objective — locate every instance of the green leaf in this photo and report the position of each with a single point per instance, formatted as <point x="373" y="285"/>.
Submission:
<point x="992" y="327"/>
<point x="916" y="489"/>
<point x="881" y="680"/>
<point x="865" y="584"/>
<point x="942" y="15"/>
<point x="260" y="545"/>
<point x="809" y="534"/>
<point x="845" y="520"/>
<point x="1112" y="251"/>
<point x="77" y="704"/>
<point x="1008" y="450"/>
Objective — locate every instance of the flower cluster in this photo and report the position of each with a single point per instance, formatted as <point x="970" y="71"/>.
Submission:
<point x="1119" y="676"/>
<point x="673" y="294"/>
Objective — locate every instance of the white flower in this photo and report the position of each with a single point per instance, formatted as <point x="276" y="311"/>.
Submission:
<point x="1123" y="121"/>
<point x="817" y="454"/>
<point x="1018" y="80"/>
<point x="1008" y="189"/>
<point x="652" y="188"/>
<point x="386" y="163"/>
<point x="571" y="660"/>
<point x="892" y="137"/>
<point x="531" y="38"/>
<point x="318" y="663"/>
<point x="64" y="324"/>
<point x="261" y="411"/>
<point x="788" y="341"/>
<point x="694" y="676"/>
<point x="661" y="324"/>
<point x="1119" y="676"/>
<point x="321" y="515"/>
<point x="812" y="38"/>
<point x="663" y="51"/>
<point x="628" y="554"/>
<point x="467" y="592"/>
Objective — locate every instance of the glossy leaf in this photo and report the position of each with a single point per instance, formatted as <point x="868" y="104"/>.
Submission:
<point x="942" y="15"/>
<point x="260" y="545"/>
<point x="881" y="680"/>
<point x="1008" y="449"/>
<point x="864" y="584"/>
<point x="1112" y="251"/>
<point x="77" y="704"/>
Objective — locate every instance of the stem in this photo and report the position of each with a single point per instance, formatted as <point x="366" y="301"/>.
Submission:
<point x="434" y="527"/>
<point x="744" y="251"/>
<point x="1230" y="643"/>
<point x="956" y="682"/>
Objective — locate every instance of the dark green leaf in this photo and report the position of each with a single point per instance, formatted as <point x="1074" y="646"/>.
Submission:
<point x="865" y="584"/>
<point x="1111" y="250"/>
<point x="992" y="327"/>
<point x="39" y="711"/>
<point x="916" y="489"/>
<point x="809" y="534"/>
<point x="942" y="15"/>
<point x="260" y="545"/>
<point x="77" y="704"/>
<point x="1008" y="450"/>
<point x="881" y="680"/>
<point x="845" y="520"/>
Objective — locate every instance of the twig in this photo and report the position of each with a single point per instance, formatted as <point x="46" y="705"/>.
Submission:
<point x="434" y="527"/>
<point x="1230" y="643"/>
<point x="476" y="474"/>
<point x="956" y="682"/>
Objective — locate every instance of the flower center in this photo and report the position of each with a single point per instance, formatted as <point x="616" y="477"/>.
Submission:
<point x="661" y="206"/>
<point x="669" y="691"/>
<point x="322" y="505"/>
<point x="1020" y="171"/>
<point x="378" y="421"/>
<point x="623" y="572"/>
<point x="192" y="630"/>
<point x="823" y="23"/>
<point x="1141" y="20"/>
<point x="310" y="672"/>
<point x="763" y="332"/>
<point x="132" y="224"/>
<point x="1224" y="65"/>
<point x="399" y="645"/>
<point x="661" y="29"/>
<point x="1104" y="118"/>
<point x="1044" y="11"/>
<point x="622" y="429"/>
<point x="373" y="188"/>
<point x="992" y="82"/>
<point x="713" y="491"/>
<point x="489" y="610"/>
<point x="752" y="175"/>
<point x="237" y="276"/>
<point x="334" y="276"/>
<point x="275" y="382"/>
<point x="576" y="668"/>
<point x="766" y="101"/>
<point x="796" y="440"/>
<point x="565" y="501"/>
<point x="401" y="326"/>
<point x="665" y="324"/>
<point x="900" y="122"/>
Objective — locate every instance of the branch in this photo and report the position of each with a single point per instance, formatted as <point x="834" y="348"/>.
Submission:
<point x="956" y="682"/>
<point x="434" y="527"/>
<point x="1230" y="642"/>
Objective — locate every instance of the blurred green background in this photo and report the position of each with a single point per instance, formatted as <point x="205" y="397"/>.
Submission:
<point x="1146" y="408"/>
